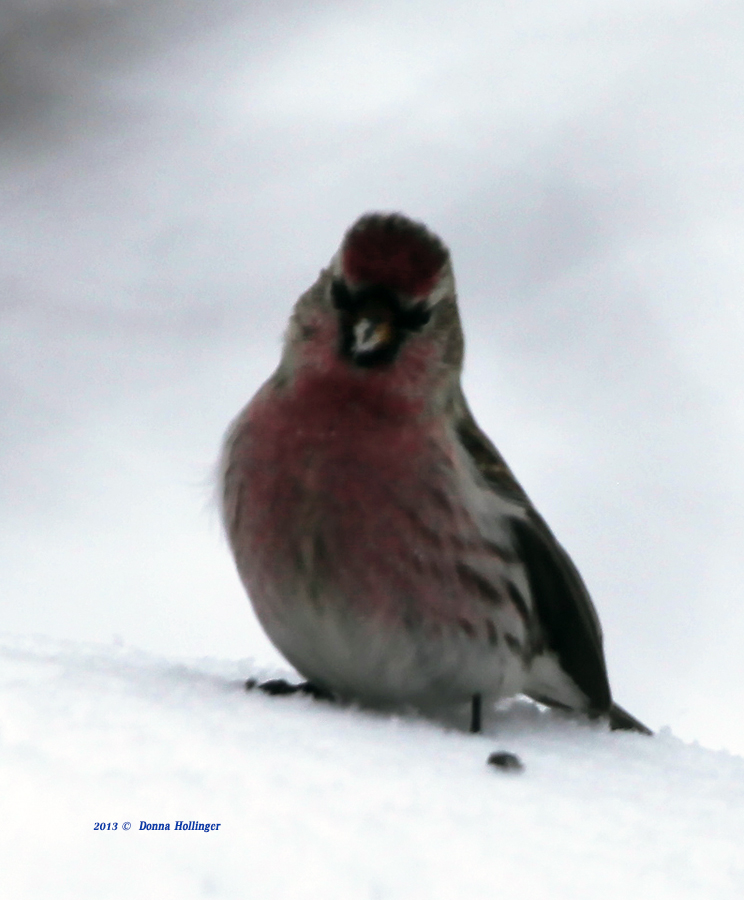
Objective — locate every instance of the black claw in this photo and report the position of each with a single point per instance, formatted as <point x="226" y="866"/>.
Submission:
<point x="509" y="762"/>
<point x="475" y="714"/>
<point x="279" y="687"/>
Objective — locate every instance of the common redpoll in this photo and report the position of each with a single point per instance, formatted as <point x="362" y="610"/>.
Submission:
<point x="387" y="549"/>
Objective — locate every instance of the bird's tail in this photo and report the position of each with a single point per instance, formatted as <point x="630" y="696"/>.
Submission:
<point x="622" y="720"/>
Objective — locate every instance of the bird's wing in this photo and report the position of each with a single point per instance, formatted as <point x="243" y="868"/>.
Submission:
<point x="568" y="623"/>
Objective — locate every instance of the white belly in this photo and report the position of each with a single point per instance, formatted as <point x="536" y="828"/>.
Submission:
<point x="362" y="659"/>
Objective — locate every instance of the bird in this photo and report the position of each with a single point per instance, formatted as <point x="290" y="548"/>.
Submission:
<point x="386" y="547"/>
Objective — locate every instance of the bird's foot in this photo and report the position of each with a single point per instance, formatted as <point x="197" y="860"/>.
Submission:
<point x="316" y="692"/>
<point x="279" y="687"/>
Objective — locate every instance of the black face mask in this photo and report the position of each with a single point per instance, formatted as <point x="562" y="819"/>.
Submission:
<point x="374" y="323"/>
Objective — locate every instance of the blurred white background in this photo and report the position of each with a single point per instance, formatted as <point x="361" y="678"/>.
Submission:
<point x="173" y="174"/>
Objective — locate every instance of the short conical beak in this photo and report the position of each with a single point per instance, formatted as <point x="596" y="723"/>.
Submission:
<point x="369" y="335"/>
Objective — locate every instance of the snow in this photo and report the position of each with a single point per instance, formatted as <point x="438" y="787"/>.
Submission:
<point x="322" y="801"/>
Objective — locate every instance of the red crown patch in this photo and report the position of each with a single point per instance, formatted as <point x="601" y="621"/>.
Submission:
<point x="394" y="251"/>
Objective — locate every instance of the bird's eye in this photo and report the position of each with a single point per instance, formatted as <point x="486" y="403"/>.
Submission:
<point x="415" y="318"/>
<point x="412" y="319"/>
<point x="342" y="297"/>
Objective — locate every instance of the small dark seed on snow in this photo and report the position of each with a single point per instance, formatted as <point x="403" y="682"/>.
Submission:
<point x="509" y="762"/>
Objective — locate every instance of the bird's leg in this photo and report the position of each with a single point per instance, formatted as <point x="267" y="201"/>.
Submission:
<point x="278" y="687"/>
<point x="475" y="713"/>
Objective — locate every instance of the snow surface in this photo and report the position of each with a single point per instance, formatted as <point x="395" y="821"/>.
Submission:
<point x="320" y="801"/>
